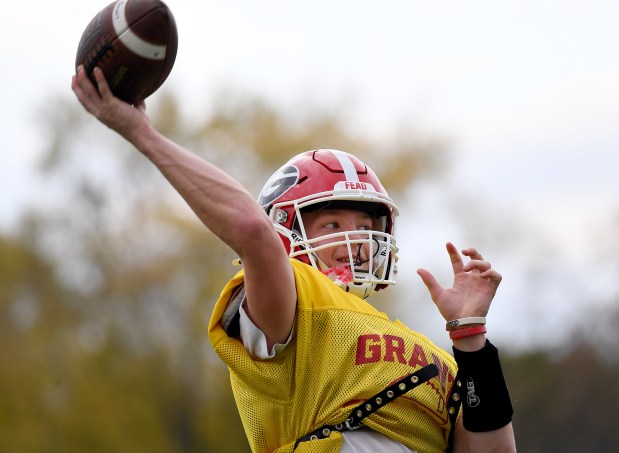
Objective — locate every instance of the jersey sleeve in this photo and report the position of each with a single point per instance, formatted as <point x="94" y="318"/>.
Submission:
<point x="255" y="340"/>
<point x="237" y="323"/>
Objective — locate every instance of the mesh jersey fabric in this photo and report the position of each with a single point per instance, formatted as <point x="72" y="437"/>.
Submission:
<point x="363" y="440"/>
<point x="344" y="352"/>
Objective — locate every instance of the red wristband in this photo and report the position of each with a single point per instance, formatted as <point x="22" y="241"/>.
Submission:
<point x="463" y="333"/>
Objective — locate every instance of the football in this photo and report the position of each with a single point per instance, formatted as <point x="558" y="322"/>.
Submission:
<point x="134" y="42"/>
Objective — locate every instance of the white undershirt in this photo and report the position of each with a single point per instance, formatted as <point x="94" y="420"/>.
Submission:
<point x="360" y="441"/>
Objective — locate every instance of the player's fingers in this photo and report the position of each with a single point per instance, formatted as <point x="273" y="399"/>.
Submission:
<point x="454" y="256"/>
<point x="478" y="265"/>
<point x="83" y="89"/>
<point x="102" y="85"/>
<point x="492" y="275"/>
<point x="83" y="81"/>
<point x="87" y="87"/>
<point x="75" y="86"/>
<point x="472" y="253"/>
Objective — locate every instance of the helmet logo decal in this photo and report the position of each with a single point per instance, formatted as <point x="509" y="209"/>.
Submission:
<point x="278" y="184"/>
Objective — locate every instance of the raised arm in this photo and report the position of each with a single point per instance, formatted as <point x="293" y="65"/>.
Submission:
<point x="486" y="423"/>
<point x="220" y="202"/>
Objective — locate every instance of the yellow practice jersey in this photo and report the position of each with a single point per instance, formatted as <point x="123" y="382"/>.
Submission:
<point x="344" y="352"/>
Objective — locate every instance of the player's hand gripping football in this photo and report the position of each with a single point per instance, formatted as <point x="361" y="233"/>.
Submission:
<point x="98" y="100"/>
<point x="474" y="286"/>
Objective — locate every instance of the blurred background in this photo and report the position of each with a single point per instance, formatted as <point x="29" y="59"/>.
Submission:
<point x="492" y="124"/>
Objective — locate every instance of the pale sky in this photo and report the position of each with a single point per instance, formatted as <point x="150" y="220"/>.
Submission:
<point x="528" y="90"/>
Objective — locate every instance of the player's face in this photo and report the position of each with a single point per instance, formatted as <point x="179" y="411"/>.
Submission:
<point x="329" y="221"/>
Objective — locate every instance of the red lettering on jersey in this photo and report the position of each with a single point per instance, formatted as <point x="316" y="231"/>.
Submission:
<point x="374" y="348"/>
<point x="418" y="357"/>
<point x="394" y="348"/>
<point x="355" y="185"/>
<point x="368" y="349"/>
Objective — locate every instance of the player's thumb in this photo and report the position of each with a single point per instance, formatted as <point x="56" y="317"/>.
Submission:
<point x="433" y="286"/>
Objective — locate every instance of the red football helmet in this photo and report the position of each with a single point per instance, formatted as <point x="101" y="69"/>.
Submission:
<point x="327" y="178"/>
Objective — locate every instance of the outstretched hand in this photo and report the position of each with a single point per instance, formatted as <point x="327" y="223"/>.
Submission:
<point x="474" y="286"/>
<point x="101" y="103"/>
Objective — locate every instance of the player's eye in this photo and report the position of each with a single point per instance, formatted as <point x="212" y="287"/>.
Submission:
<point x="331" y="225"/>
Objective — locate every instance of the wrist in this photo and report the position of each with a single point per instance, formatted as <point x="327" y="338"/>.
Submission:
<point x="144" y="137"/>
<point x="465" y="323"/>
<point x="486" y="404"/>
<point x="470" y="344"/>
<point x="468" y="334"/>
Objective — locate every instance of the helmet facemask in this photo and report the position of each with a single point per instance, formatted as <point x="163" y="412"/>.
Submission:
<point x="372" y="254"/>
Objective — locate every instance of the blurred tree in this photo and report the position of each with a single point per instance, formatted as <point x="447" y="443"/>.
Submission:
<point x="111" y="279"/>
<point x="107" y="288"/>
<point x="31" y="353"/>
<point x="564" y="400"/>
